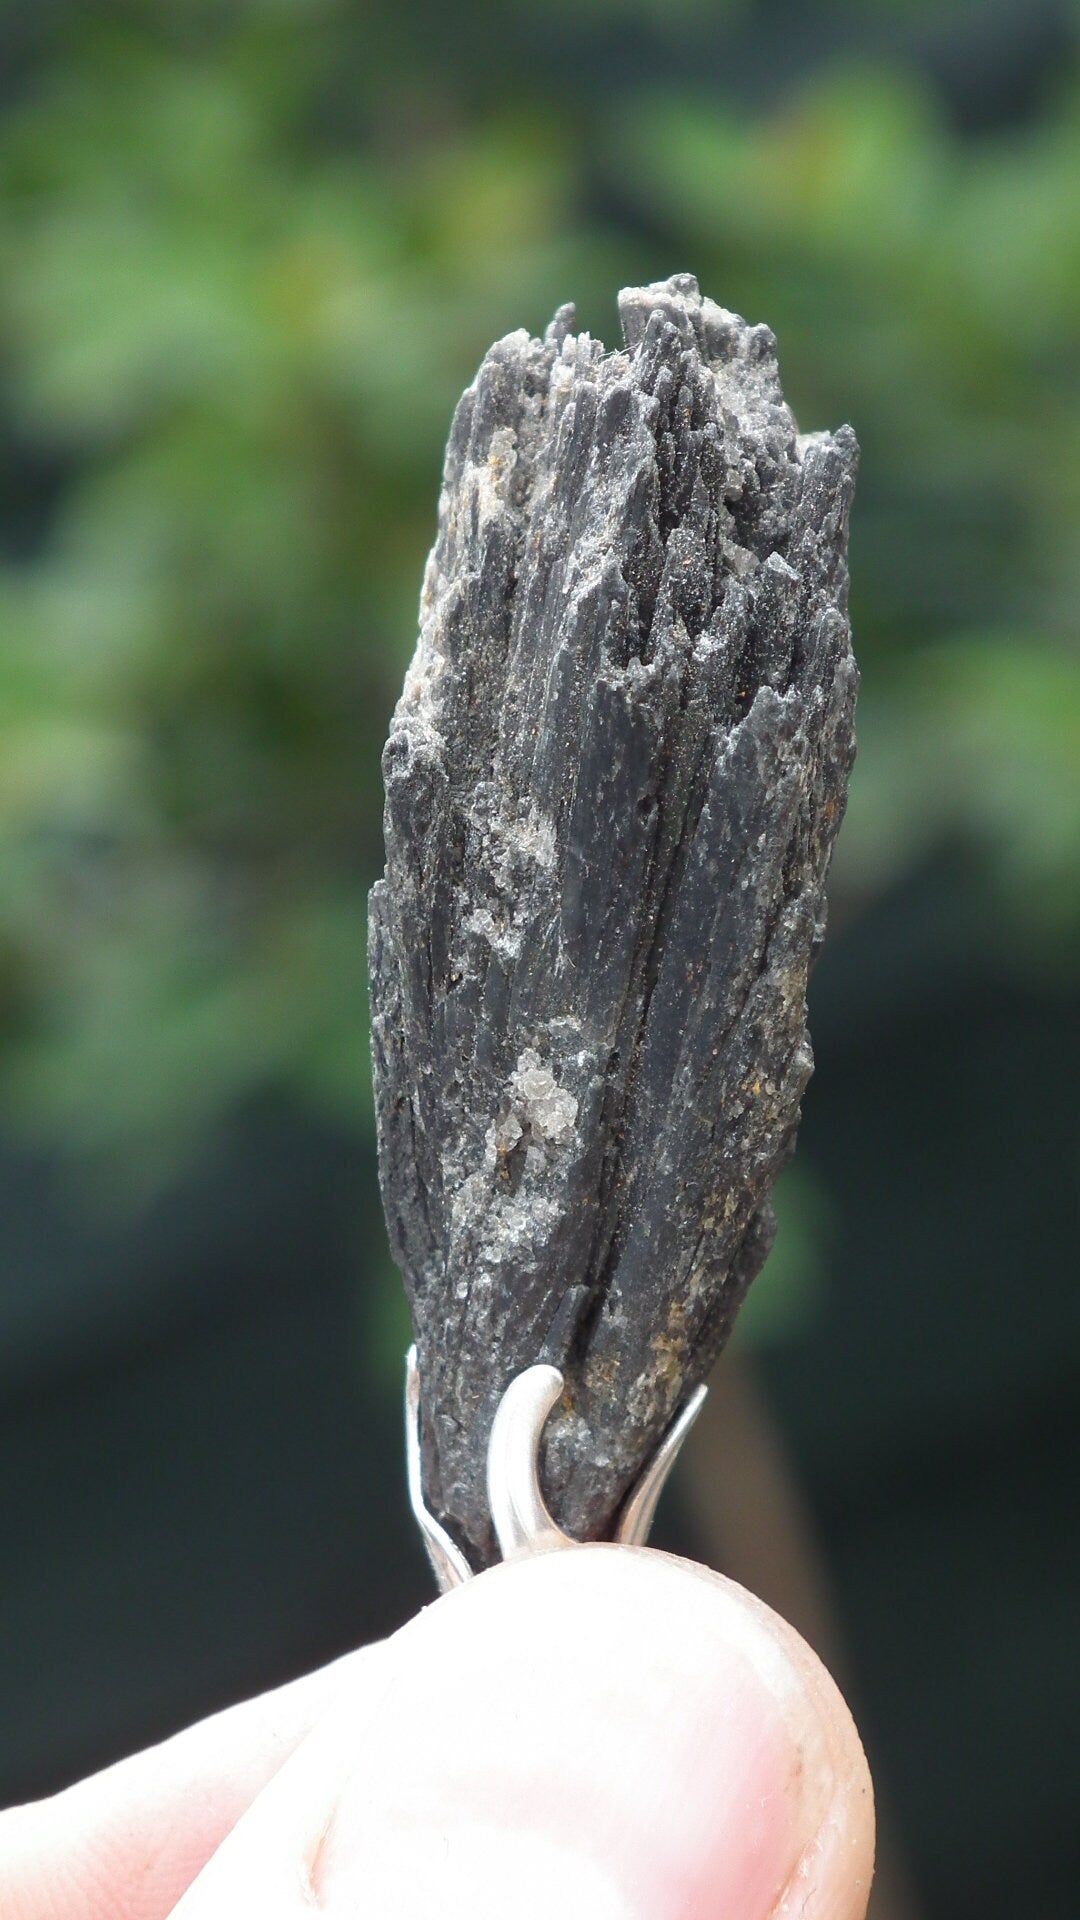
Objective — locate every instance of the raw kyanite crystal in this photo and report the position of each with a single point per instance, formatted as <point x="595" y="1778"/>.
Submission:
<point x="613" y="783"/>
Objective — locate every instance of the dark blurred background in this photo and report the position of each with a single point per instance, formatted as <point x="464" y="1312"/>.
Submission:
<point x="251" y="252"/>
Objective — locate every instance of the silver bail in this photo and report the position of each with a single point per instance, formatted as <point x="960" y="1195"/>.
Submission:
<point x="519" y="1512"/>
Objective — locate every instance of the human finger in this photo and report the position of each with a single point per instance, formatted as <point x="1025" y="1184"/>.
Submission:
<point x="126" y="1843"/>
<point x="603" y="1732"/>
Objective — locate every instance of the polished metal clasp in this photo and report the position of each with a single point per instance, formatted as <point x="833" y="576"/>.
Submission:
<point x="519" y="1512"/>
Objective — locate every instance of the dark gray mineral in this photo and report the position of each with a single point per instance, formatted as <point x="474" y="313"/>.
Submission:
<point x="613" y="783"/>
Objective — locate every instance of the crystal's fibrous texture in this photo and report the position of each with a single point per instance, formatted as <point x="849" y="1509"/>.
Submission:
<point x="613" y="783"/>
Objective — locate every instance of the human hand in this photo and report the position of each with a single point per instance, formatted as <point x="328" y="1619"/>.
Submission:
<point x="604" y="1733"/>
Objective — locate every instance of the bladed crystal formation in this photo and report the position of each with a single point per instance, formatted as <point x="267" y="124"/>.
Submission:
<point x="613" y="783"/>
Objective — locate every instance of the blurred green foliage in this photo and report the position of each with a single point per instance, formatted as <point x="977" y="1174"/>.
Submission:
<point x="252" y="252"/>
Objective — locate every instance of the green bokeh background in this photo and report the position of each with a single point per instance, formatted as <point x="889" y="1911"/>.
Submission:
<point x="250" y="255"/>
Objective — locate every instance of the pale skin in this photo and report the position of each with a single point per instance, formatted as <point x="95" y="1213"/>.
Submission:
<point x="603" y="1733"/>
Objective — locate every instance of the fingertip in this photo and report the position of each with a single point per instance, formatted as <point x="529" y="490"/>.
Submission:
<point x="605" y="1734"/>
<point x="639" y="1735"/>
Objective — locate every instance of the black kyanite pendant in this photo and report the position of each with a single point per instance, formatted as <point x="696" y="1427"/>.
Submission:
<point x="613" y="783"/>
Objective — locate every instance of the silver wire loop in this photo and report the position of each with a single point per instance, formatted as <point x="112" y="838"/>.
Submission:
<point x="519" y="1512"/>
<point x="636" y="1517"/>
<point x="448" y="1563"/>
